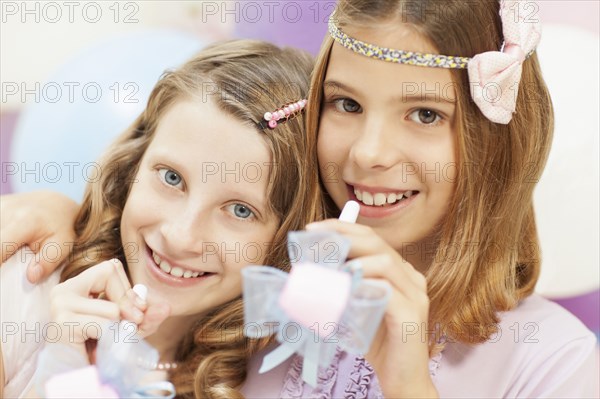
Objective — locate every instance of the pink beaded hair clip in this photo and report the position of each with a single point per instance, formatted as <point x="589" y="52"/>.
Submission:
<point x="282" y="115"/>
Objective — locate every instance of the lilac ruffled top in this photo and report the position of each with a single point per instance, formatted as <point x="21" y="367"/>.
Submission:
<point x="361" y="381"/>
<point x="541" y="350"/>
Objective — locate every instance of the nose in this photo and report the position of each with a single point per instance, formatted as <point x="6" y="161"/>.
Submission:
<point x="376" y="146"/>
<point x="183" y="233"/>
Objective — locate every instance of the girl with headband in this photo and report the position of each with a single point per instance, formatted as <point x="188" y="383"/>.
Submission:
<point x="436" y="118"/>
<point x="157" y="217"/>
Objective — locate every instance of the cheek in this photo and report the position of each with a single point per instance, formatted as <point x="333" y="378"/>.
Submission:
<point x="129" y="238"/>
<point x="140" y="206"/>
<point x="449" y="167"/>
<point x="131" y="220"/>
<point x="331" y="152"/>
<point x="240" y="248"/>
<point x="323" y="152"/>
<point x="253" y="253"/>
<point x="439" y="158"/>
<point x="327" y="135"/>
<point x="257" y="250"/>
<point x="446" y="185"/>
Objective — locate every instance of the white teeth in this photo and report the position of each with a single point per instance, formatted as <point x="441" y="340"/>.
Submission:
<point x="379" y="199"/>
<point x="367" y="198"/>
<point x="358" y="194"/>
<point x="177" y="272"/>
<point x="164" y="266"/>
<point x="174" y="271"/>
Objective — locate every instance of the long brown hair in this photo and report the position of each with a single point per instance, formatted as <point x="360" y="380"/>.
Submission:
<point x="488" y="255"/>
<point x="246" y="79"/>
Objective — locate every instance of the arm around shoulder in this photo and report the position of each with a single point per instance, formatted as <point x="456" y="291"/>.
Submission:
<point x="37" y="219"/>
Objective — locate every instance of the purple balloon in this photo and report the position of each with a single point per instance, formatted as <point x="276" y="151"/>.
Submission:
<point x="586" y="307"/>
<point x="301" y="24"/>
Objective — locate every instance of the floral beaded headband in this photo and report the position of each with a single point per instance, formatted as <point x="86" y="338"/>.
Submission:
<point x="494" y="75"/>
<point x="281" y="115"/>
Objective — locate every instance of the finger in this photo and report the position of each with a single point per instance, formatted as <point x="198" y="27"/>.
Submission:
<point x="405" y="318"/>
<point x="404" y="279"/>
<point x="9" y="248"/>
<point x="363" y="239"/>
<point x="122" y="275"/>
<point x="16" y="227"/>
<point x="89" y="306"/>
<point x="153" y="318"/>
<point x="129" y="311"/>
<point x="76" y="328"/>
<point x="52" y="252"/>
<point x="31" y="219"/>
<point x="38" y="271"/>
<point x="101" y="278"/>
<point x="339" y="226"/>
<point x="14" y="232"/>
<point x="136" y="300"/>
<point x="365" y="242"/>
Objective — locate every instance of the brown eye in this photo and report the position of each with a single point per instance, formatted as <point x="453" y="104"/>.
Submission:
<point x="347" y="105"/>
<point x="425" y="116"/>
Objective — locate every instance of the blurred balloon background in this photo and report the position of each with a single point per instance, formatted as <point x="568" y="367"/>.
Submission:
<point x="53" y="144"/>
<point x="57" y="139"/>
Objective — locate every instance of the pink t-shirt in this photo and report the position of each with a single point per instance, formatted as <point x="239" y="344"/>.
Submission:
<point x="540" y="351"/>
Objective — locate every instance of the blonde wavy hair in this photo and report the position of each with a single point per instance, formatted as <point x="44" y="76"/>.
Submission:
<point x="488" y="255"/>
<point x="245" y="78"/>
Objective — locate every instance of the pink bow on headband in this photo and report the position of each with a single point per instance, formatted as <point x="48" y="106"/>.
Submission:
<point x="495" y="75"/>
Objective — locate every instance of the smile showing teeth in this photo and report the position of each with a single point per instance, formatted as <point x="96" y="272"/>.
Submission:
<point x="174" y="271"/>
<point x="381" y="199"/>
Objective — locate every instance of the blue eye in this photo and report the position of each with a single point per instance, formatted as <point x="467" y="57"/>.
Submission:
<point x="241" y="211"/>
<point x="347" y="105"/>
<point x="170" y="177"/>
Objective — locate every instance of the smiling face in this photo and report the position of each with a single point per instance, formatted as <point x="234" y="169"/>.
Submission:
<point x="386" y="139"/>
<point x="198" y="210"/>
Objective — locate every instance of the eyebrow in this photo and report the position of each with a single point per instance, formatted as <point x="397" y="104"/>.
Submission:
<point x="424" y="98"/>
<point x="436" y="97"/>
<point x="336" y="84"/>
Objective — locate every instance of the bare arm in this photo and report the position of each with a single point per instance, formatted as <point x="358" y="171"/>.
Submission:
<point x="41" y="220"/>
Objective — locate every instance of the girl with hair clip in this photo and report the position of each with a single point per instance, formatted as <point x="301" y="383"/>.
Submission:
<point x="436" y="118"/>
<point x="165" y="215"/>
